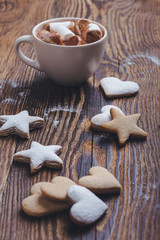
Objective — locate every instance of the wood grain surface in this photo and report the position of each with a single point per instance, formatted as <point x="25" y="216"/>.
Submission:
<point x="132" y="53"/>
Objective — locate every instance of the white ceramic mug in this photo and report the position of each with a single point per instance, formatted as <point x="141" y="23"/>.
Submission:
<point x="65" y="65"/>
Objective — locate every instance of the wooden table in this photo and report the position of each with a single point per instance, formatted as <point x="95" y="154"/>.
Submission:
<point x="132" y="53"/>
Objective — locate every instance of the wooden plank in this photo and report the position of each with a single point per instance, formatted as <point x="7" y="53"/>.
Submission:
<point x="132" y="53"/>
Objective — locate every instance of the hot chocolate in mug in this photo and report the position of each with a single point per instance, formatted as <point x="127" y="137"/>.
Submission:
<point x="65" y="65"/>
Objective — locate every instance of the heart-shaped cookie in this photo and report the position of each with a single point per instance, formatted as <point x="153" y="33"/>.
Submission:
<point x="100" y="181"/>
<point x="38" y="205"/>
<point x="114" y="87"/>
<point x="57" y="190"/>
<point x="103" y="117"/>
<point x="87" y="207"/>
<point x="36" y="188"/>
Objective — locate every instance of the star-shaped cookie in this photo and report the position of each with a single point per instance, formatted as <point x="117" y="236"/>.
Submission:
<point x="124" y="126"/>
<point x="39" y="155"/>
<point x="19" y="124"/>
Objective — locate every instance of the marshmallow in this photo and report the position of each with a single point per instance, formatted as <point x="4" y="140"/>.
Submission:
<point x="68" y="24"/>
<point x="74" y="40"/>
<point x="70" y="33"/>
<point x="91" y="32"/>
<point x="93" y="27"/>
<point x="63" y="31"/>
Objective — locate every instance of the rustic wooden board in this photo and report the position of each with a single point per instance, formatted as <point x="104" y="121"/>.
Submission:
<point x="132" y="53"/>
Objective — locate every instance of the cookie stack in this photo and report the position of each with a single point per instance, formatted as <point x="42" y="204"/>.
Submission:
<point x="62" y="193"/>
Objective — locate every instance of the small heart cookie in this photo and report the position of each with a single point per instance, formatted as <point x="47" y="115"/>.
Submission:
<point x="87" y="207"/>
<point x="114" y="87"/>
<point x="57" y="190"/>
<point x="100" y="181"/>
<point x="103" y="117"/>
<point x="38" y="205"/>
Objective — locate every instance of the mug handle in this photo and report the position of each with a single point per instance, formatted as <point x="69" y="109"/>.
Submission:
<point x="29" y="39"/>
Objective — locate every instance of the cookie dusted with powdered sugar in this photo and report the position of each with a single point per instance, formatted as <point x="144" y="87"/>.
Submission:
<point x="86" y="206"/>
<point x="39" y="155"/>
<point x="19" y="124"/>
<point x="114" y="87"/>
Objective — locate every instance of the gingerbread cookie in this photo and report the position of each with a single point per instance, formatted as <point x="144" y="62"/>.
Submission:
<point x="36" y="188"/>
<point x="39" y="155"/>
<point x="57" y="190"/>
<point x="38" y="205"/>
<point x="87" y="207"/>
<point x="100" y="181"/>
<point x="19" y="124"/>
<point x="103" y="117"/>
<point x="114" y="87"/>
<point x="123" y="126"/>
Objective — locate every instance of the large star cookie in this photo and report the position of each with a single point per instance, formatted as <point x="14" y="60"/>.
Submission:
<point x="124" y="126"/>
<point x="39" y="155"/>
<point x="19" y="124"/>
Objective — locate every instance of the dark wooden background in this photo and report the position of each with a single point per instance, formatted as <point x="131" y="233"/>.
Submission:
<point x="132" y="53"/>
